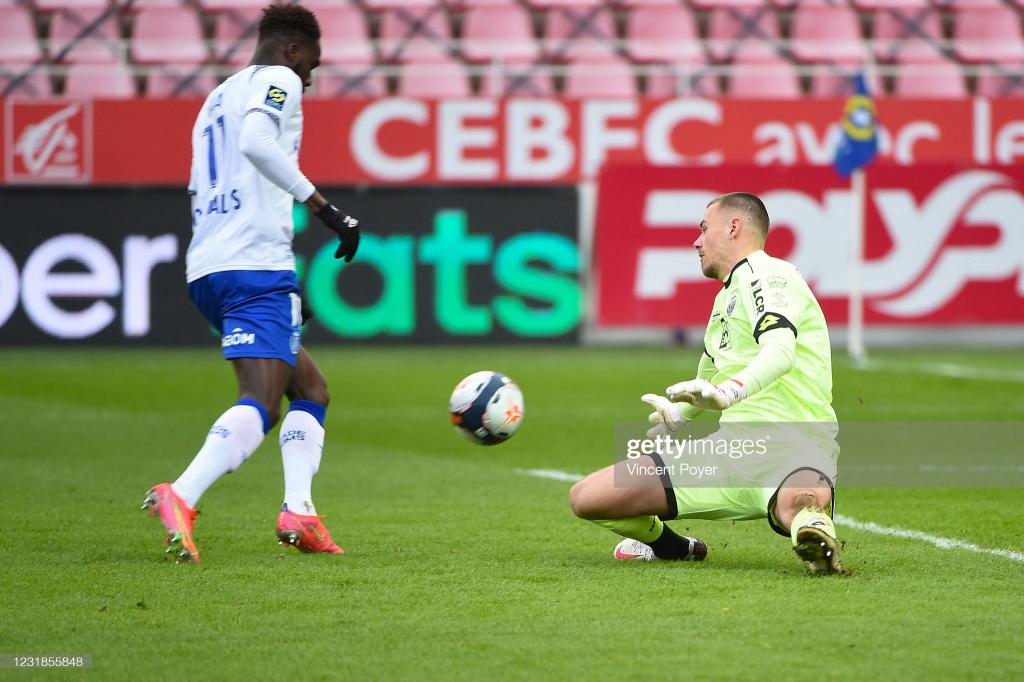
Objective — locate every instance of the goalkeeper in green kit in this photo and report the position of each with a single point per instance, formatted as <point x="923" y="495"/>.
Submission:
<point x="767" y="367"/>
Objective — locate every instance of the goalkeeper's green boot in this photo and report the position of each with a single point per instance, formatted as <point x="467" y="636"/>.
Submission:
<point x="814" y="540"/>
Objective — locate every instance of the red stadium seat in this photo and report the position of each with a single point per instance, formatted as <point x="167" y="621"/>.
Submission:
<point x="728" y="27"/>
<point x="939" y="79"/>
<point x="692" y="78"/>
<point x="234" y="36"/>
<point x="498" y="32"/>
<point x="24" y="83"/>
<point x="85" y="36"/>
<point x="517" y="79"/>
<point x="826" y="34"/>
<point x="1001" y="80"/>
<point x="989" y="34"/>
<point x="875" y="5"/>
<point x="232" y="5"/>
<point x="721" y="4"/>
<point x="345" y="38"/>
<point x="168" y="35"/>
<point x="897" y="29"/>
<point x="47" y="6"/>
<point x="662" y="34"/>
<point x="574" y="4"/>
<point x="834" y="81"/>
<point x="434" y="79"/>
<point x="760" y="73"/>
<point x="349" y="81"/>
<point x="608" y="77"/>
<point x="129" y="6"/>
<point x="415" y="34"/>
<point x="380" y="5"/>
<point x="180" y="81"/>
<point x="573" y="34"/>
<point x="18" y="44"/>
<point x="113" y="80"/>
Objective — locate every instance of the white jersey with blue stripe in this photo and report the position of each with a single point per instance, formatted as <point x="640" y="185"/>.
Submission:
<point x="241" y="220"/>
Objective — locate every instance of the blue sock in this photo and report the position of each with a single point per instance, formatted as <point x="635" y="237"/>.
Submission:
<point x="318" y="411"/>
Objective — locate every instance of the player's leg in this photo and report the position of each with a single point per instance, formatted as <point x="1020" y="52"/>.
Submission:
<point x="800" y="508"/>
<point x="302" y="444"/>
<point x="631" y="499"/>
<point x="234" y="436"/>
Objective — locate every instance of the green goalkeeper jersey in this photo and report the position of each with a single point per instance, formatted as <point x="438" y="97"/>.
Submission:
<point x="761" y="294"/>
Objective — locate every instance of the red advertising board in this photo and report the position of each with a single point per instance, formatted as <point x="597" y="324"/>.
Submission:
<point x="944" y="244"/>
<point x="397" y="141"/>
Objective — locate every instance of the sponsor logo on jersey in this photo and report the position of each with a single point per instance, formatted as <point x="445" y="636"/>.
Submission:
<point x="238" y="338"/>
<point x="723" y="343"/>
<point x="758" y="298"/>
<point x="776" y="281"/>
<point x="276" y="97"/>
<point x="219" y="430"/>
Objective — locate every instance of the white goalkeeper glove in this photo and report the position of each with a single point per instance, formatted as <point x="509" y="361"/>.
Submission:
<point x="667" y="416"/>
<point x="705" y="395"/>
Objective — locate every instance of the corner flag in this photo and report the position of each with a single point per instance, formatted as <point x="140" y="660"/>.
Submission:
<point x="859" y="143"/>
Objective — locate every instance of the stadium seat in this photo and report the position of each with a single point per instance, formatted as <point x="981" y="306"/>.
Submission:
<point x="573" y="4"/>
<point x="170" y="35"/>
<point x="498" y="32"/>
<point x="517" y="79"/>
<point x="234" y="36"/>
<point x="35" y="84"/>
<point x="988" y="34"/>
<point x="938" y="79"/>
<point x="1001" y="80"/>
<point x="47" y="6"/>
<point x="607" y="77"/>
<point x="415" y="34"/>
<point x="232" y="5"/>
<point x="437" y="79"/>
<point x="830" y="80"/>
<point x="85" y="36"/>
<point x="897" y="30"/>
<point x="760" y="73"/>
<point x="18" y="44"/>
<point x="728" y="27"/>
<point x="875" y="5"/>
<point x="721" y="4"/>
<point x="131" y="6"/>
<point x="692" y="78"/>
<point x="381" y="5"/>
<point x="180" y="81"/>
<point x="825" y="34"/>
<point x="662" y="34"/>
<point x="573" y="34"/>
<point x="350" y="81"/>
<point x="345" y="37"/>
<point x="113" y="80"/>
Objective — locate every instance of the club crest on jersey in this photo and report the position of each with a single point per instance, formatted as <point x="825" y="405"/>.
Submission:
<point x="276" y="97"/>
<point x="731" y="307"/>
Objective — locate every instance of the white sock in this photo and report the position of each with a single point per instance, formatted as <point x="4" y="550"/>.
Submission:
<point x="302" y="444"/>
<point x="234" y="436"/>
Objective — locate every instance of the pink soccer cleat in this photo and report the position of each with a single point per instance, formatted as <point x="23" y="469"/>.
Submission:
<point x="306" y="533"/>
<point x="179" y="519"/>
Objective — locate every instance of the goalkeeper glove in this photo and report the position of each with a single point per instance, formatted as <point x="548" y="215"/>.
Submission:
<point x="705" y="395"/>
<point x="667" y="416"/>
<point x="346" y="227"/>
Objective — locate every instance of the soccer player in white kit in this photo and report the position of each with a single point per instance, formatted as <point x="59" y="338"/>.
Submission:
<point x="240" y="271"/>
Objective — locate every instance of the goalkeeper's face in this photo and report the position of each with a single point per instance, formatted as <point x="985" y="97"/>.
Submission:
<point x="713" y="244"/>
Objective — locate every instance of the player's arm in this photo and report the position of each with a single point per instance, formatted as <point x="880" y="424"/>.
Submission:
<point x="669" y="417"/>
<point x="278" y="95"/>
<point x="773" y="360"/>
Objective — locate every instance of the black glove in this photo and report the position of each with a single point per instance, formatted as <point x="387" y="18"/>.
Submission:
<point x="346" y="227"/>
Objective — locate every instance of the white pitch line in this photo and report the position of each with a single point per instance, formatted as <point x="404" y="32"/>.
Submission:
<point x="866" y="526"/>
<point x="945" y="369"/>
<point x="937" y="540"/>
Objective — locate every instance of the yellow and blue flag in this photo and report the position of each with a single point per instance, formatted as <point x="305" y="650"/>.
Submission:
<point x="859" y="142"/>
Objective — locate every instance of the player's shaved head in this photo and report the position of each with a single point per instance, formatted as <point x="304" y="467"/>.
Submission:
<point x="289" y="22"/>
<point x="748" y="204"/>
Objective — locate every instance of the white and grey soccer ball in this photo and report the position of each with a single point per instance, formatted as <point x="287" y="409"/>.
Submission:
<point x="486" y="407"/>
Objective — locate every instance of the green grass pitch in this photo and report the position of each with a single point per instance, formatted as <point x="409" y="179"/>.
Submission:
<point x="458" y="566"/>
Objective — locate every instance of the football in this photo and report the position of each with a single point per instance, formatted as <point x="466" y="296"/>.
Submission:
<point x="486" y="407"/>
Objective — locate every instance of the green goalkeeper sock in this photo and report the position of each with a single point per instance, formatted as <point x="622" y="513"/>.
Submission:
<point x="646" y="529"/>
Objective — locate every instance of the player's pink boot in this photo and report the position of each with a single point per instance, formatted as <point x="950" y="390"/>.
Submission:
<point x="306" y="533"/>
<point x="178" y="517"/>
